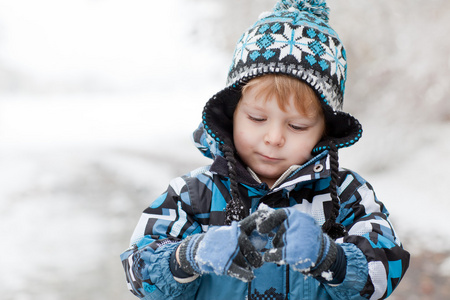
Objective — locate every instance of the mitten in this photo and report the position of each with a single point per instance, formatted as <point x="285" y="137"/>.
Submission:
<point x="298" y="241"/>
<point x="223" y="250"/>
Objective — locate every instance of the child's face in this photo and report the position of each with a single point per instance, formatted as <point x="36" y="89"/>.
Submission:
<point x="270" y="140"/>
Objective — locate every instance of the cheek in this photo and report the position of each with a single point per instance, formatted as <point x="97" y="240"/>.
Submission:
<point x="240" y="132"/>
<point x="240" y="139"/>
<point x="318" y="134"/>
<point x="245" y="140"/>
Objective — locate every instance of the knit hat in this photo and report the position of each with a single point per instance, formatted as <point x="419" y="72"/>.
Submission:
<point x="293" y="39"/>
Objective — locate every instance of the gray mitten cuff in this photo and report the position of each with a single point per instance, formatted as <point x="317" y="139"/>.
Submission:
<point x="324" y="263"/>
<point x="187" y="252"/>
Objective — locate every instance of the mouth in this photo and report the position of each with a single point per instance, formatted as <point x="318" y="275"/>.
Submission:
<point x="269" y="158"/>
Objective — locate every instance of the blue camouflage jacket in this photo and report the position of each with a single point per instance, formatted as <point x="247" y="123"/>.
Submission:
<point x="376" y="260"/>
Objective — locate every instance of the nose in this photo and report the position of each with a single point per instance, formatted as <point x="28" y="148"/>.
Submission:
<point x="274" y="136"/>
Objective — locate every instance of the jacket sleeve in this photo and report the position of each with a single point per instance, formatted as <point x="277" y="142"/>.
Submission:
<point x="162" y="226"/>
<point x="376" y="260"/>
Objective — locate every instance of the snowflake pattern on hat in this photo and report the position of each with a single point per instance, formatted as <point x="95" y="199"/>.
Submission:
<point x="296" y="43"/>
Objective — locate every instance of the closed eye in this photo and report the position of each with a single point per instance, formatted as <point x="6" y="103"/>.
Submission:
<point x="298" y="128"/>
<point x="256" y="119"/>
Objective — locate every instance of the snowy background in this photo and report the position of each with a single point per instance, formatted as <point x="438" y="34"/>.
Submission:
<point x="98" y="99"/>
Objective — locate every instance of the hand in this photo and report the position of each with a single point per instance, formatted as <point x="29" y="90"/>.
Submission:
<point x="223" y="250"/>
<point x="298" y="241"/>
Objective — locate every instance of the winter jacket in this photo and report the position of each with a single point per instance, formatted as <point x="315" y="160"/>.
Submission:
<point x="376" y="260"/>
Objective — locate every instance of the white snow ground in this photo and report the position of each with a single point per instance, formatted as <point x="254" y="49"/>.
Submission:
<point x="97" y="104"/>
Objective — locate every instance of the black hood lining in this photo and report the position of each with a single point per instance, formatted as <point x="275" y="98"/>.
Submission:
<point x="218" y="114"/>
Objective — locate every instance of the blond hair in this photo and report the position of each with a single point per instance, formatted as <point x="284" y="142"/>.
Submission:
<point x="283" y="87"/>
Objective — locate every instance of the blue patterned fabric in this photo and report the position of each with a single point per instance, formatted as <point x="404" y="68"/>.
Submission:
<point x="376" y="260"/>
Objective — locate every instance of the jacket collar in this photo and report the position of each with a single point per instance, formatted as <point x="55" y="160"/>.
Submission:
<point x="316" y="168"/>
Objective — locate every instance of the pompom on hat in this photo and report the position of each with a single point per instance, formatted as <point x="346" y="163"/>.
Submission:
<point x="293" y="39"/>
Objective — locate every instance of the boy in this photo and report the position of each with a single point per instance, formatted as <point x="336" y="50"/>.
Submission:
<point x="273" y="133"/>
